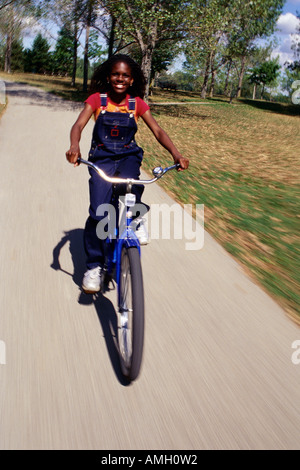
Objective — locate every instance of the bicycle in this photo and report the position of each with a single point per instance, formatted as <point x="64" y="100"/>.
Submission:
<point x="123" y="265"/>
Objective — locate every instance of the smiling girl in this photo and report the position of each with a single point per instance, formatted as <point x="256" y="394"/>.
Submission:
<point x="118" y="88"/>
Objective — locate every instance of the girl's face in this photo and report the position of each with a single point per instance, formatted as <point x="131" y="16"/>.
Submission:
<point x="120" y="78"/>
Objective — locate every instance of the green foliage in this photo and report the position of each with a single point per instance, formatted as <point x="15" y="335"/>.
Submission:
<point x="217" y="36"/>
<point x="38" y="59"/>
<point x="147" y="23"/>
<point x="224" y="31"/>
<point x="17" y="56"/>
<point x="163" y="56"/>
<point x="96" y="53"/>
<point x="265" y="73"/>
<point x="63" y="54"/>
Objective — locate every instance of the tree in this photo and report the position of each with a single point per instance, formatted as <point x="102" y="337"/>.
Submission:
<point x="254" y="20"/>
<point x="145" y="23"/>
<point x="265" y="74"/>
<point x="6" y="3"/>
<point x="163" y="55"/>
<point x="38" y="59"/>
<point x="17" y="56"/>
<point x="68" y="14"/>
<point x="96" y="54"/>
<point x="63" y="53"/>
<point x="222" y="32"/>
<point x="107" y="27"/>
<point x="208" y="24"/>
<point x="90" y="16"/>
<point x="12" y="14"/>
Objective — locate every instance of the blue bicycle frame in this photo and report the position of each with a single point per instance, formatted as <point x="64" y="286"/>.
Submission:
<point x="127" y="238"/>
<point x="123" y="254"/>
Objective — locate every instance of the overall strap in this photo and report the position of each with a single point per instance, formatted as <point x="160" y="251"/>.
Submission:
<point x="103" y="99"/>
<point x="131" y="104"/>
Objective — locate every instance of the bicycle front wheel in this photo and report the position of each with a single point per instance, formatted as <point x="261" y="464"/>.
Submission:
<point x="131" y="313"/>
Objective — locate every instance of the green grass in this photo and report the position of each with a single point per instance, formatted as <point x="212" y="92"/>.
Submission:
<point x="244" y="167"/>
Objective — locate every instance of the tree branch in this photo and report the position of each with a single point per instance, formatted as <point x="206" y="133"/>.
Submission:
<point x="138" y="34"/>
<point x="6" y="4"/>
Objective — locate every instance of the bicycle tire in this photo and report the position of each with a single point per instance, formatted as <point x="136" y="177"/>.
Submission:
<point x="131" y="313"/>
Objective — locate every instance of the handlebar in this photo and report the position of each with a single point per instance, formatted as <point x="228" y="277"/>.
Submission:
<point x="158" y="172"/>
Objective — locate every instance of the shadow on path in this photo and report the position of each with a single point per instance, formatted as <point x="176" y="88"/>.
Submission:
<point x="105" y="310"/>
<point x="34" y="96"/>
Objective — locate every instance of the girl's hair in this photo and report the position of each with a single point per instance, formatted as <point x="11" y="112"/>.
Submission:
<point x="99" y="78"/>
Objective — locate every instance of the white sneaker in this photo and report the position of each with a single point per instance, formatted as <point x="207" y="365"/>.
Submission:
<point x="91" y="281"/>
<point x="141" y="231"/>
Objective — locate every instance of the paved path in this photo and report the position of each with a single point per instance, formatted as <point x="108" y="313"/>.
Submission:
<point x="217" y="370"/>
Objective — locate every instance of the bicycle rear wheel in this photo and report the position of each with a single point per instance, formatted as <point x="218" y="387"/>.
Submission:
<point x="131" y="313"/>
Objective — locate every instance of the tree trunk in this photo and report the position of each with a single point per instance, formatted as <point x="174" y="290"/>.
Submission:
<point x="86" y="47"/>
<point x="243" y="65"/>
<point x="206" y="76"/>
<point x="7" y="63"/>
<point x="111" y="39"/>
<point x="146" y="67"/>
<point x="86" y="58"/>
<point x="9" y="39"/>
<point x="254" y="91"/>
<point x="213" y="72"/>
<point x="75" y="46"/>
<point x="212" y="85"/>
<point x="147" y="53"/>
<point x="227" y="78"/>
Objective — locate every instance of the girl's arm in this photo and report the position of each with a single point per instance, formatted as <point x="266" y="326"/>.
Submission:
<point x="74" y="151"/>
<point x="165" y="140"/>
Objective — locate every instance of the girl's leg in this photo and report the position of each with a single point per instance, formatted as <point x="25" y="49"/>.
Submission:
<point x="100" y="193"/>
<point x="94" y="247"/>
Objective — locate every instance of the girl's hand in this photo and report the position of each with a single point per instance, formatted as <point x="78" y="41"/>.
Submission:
<point x="74" y="152"/>
<point x="72" y="155"/>
<point x="183" y="162"/>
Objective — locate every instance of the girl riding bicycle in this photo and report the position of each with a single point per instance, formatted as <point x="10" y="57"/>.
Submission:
<point x="118" y="87"/>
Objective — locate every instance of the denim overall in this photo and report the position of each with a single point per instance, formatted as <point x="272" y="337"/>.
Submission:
<point x="115" y="151"/>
